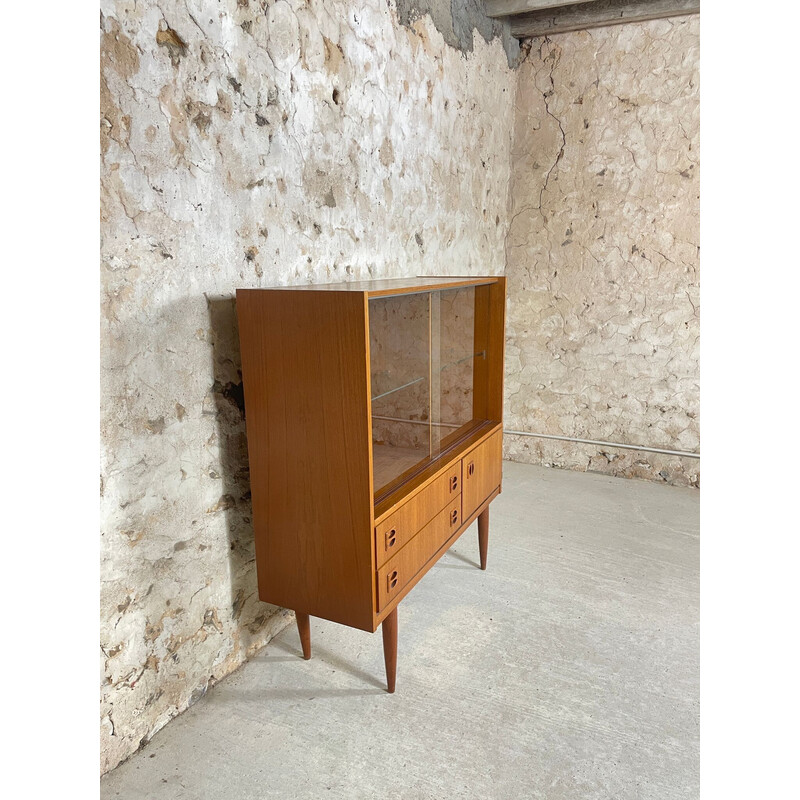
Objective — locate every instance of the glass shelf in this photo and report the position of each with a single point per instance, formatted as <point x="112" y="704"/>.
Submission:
<point x="397" y="389"/>
<point x="482" y="354"/>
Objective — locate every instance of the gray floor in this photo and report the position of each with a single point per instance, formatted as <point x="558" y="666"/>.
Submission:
<point x="569" y="669"/>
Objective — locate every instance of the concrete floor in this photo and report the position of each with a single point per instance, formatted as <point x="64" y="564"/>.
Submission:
<point x="569" y="669"/>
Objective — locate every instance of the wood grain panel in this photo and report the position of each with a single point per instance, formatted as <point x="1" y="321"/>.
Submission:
<point x="496" y="347"/>
<point x="392" y="534"/>
<point x="482" y="469"/>
<point x="490" y="324"/>
<point x="306" y="384"/>
<point x="391" y="604"/>
<point x="402" y="567"/>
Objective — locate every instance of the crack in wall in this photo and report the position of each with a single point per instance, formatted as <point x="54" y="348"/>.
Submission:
<point x="603" y="296"/>
<point x="553" y="56"/>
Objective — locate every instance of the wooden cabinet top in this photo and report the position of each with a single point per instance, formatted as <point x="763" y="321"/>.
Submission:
<point x="390" y="286"/>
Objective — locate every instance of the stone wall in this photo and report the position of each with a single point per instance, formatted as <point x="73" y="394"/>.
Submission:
<point x="251" y="144"/>
<point x="603" y="251"/>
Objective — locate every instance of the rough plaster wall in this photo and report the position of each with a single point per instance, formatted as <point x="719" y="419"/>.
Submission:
<point x="602" y="250"/>
<point x="251" y="144"/>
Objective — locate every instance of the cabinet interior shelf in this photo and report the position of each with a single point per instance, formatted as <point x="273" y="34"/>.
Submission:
<point x="481" y="354"/>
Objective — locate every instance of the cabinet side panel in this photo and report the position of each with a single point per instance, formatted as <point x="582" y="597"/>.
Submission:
<point x="307" y="412"/>
<point x="496" y="347"/>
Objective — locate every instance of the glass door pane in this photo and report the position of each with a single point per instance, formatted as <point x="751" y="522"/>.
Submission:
<point x="400" y="368"/>
<point x="458" y="358"/>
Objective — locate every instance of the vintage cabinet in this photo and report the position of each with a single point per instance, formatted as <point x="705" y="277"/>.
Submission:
<point x="374" y="432"/>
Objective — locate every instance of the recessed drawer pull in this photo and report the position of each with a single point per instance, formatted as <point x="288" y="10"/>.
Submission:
<point x="454" y="517"/>
<point x="471" y="468"/>
<point x="391" y="538"/>
<point x="391" y="580"/>
<point x="454" y="483"/>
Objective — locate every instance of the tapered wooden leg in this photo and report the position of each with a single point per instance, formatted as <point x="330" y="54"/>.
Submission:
<point x="483" y="535"/>
<point x="389" y="629"/>
<point x="304" y="626"/>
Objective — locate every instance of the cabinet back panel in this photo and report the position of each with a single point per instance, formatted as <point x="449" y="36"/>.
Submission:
<point x="306" y="384"/>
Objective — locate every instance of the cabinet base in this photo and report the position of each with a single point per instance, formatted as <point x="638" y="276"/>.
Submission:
<point x="389" y="624"/>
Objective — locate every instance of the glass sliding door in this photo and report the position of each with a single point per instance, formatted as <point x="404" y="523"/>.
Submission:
<point x="399" y="340"/>
<point x="454" y="357"/>
<point x="429" y="368"/>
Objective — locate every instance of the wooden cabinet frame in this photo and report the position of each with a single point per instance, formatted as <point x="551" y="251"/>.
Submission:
<point x="306" y="372"/>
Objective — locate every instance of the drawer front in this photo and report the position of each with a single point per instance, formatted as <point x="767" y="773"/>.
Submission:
<point x="482" y="469"/>
<point x="402" y="526"/>
<point x="403" y="566"/>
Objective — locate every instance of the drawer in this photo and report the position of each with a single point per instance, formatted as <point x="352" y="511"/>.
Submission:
<point x="482" y="469"/>
<point x="403" y="525"/>
<point x="403" y="566"/>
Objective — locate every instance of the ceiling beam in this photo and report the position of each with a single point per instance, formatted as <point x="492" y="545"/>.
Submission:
<point x="506" y="8"/>
<point x="597" y="14"/>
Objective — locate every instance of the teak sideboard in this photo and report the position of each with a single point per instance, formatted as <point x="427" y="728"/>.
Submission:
<point x="374" y="433"/>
